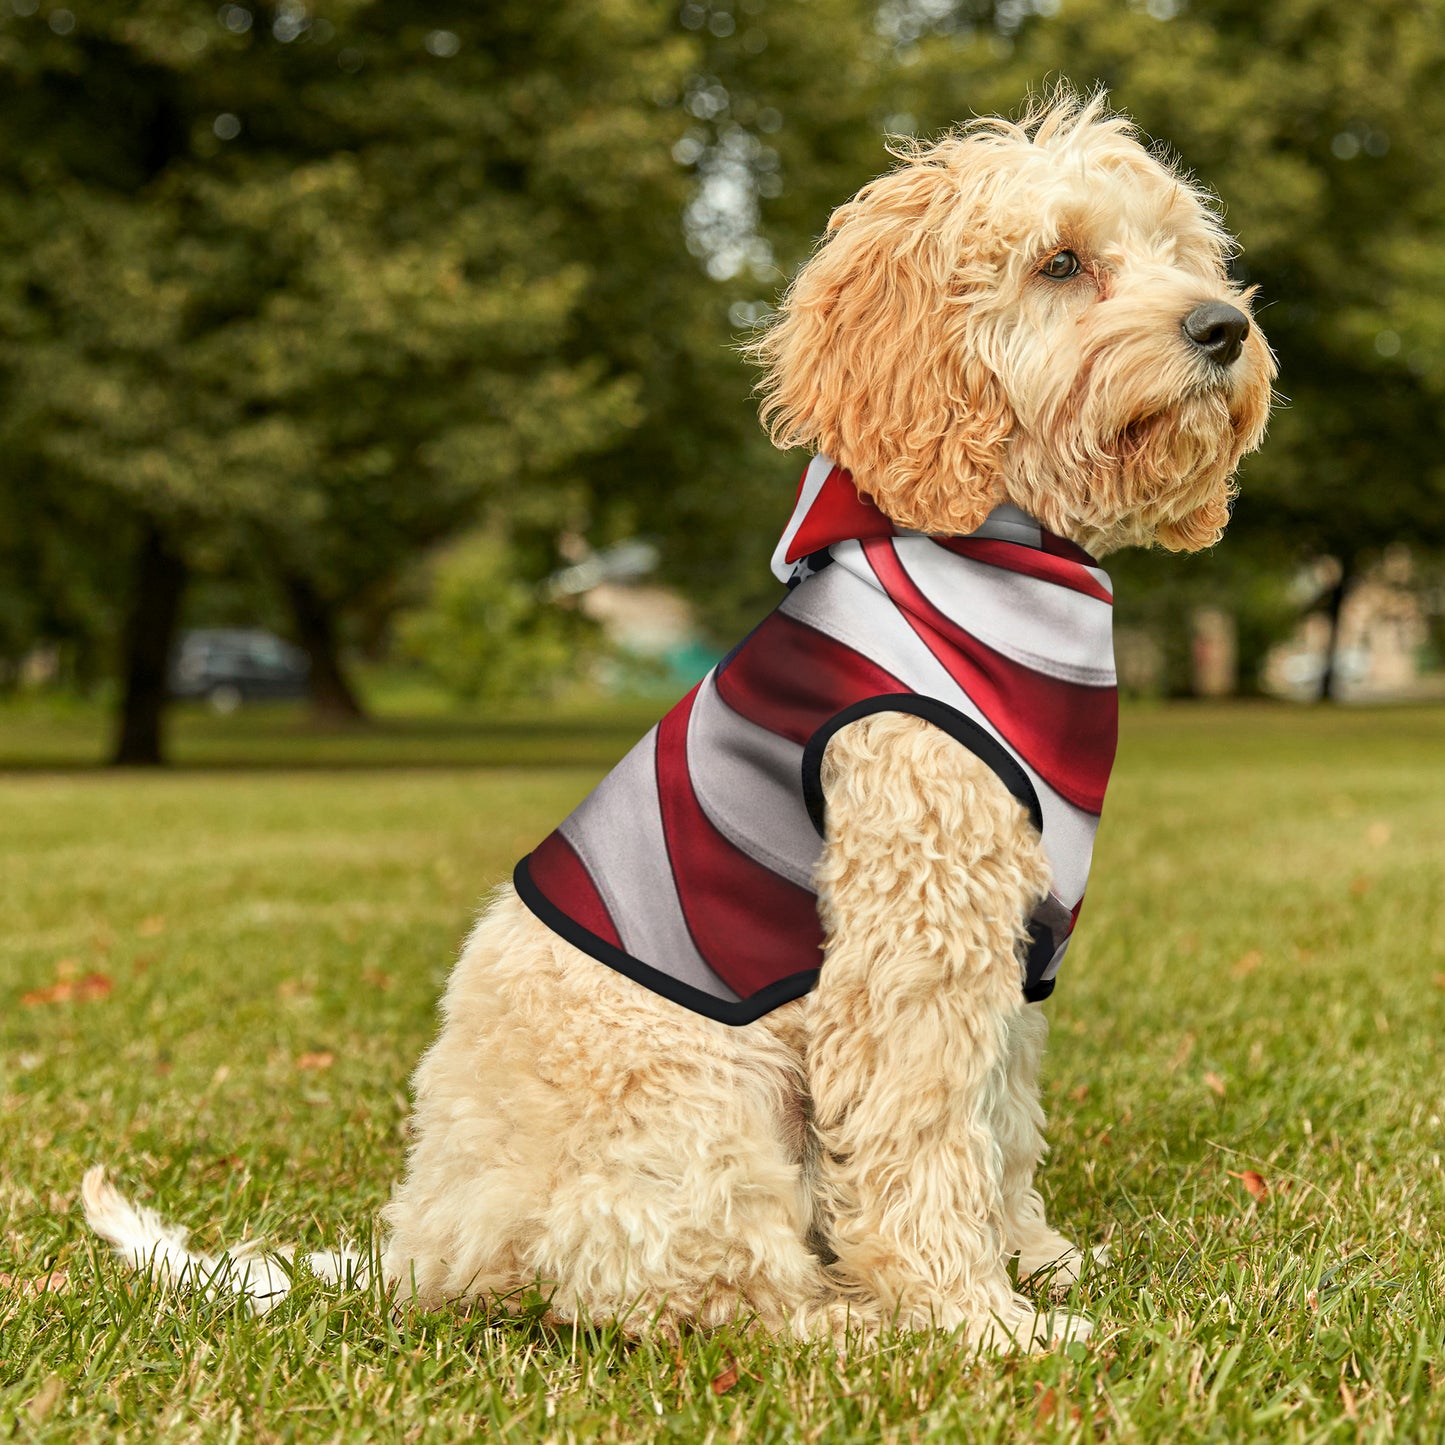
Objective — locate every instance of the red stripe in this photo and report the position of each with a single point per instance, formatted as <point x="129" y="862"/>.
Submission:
<point x="1024" y="705"/>
<point x="838" y="514"/>
<point x="1061" y="547"/>
<point x="790" y="678"/>
<point x="563" y="880"/>
<point x="751" y="926"/>
<point x="1016" y="557"/>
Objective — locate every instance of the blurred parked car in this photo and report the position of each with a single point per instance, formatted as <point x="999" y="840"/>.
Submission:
<point x="230" y="665"/>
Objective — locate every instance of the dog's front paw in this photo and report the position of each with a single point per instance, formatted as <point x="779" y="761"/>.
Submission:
<point x="1056" y="1264"/>
<point x="1023" y="1326"/>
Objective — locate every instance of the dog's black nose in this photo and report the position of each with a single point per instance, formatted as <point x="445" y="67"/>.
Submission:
<point x="1217" y="330"/>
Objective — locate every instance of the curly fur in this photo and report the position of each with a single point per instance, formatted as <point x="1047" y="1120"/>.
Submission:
<point x="921" y="349"/>
<point x="865" y="1155"/>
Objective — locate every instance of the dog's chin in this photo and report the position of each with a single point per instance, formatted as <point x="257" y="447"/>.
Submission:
<point x="1161" y="478"/>
<point x="1174" y="467"/>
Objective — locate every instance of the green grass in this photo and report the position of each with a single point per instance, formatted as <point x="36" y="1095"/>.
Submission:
<point x="1256" y="986"/>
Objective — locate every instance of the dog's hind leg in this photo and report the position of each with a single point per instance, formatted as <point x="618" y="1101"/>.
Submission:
<point x="577" y="1135"/>
<point x="929" y="872"/>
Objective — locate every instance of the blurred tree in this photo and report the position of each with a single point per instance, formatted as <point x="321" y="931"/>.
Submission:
<point x="325" y="283"/>
<point x="302" y="280"/>
<point x="480" y="633"/>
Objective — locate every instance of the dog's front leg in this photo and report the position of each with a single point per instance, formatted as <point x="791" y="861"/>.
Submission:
<point x="929" y="871"/>
<point x="1019" y="1127"/>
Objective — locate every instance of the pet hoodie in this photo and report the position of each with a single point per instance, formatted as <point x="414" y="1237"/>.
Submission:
<point x="690" y="867"/>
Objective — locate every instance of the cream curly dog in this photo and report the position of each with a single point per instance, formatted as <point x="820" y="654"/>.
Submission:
<point x="1031" y="316"/>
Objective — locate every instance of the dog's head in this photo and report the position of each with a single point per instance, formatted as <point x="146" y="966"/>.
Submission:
<point x="1037" y="313"/>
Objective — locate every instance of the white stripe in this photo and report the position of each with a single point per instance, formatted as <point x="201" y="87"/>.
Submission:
<point x="617" y="833"/>
<point x="856" y="613"/>
<point x="749" y="782"/>
<point x="1008" y="523"/>
<point x="813" y="479"/>
<point x="1041" y="625"/>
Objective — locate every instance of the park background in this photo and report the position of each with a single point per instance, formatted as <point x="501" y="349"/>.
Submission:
<point x="408" y="333"/>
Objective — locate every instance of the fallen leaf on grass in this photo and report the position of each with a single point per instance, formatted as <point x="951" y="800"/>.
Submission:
<point x="151" y="927"/>
<point x="1247" y="965"/>
<point x="1080" y="1094"/>
<point x="1047" y="1406"/>
<point x="1254" y="1182"/>
<point x="321" y="1059"/>
<point x="66" y="990"/>
<point x="724" y="1382"/>
<point x="45" y="1399"/>
<point x="1440" y="980"/>
<point x="1181" y="1054"/>
<point x="1347" y="1399"/>
<point x="56" y="1282"/>
<point x="1214" y="1083"/>
<point x="1360" y="885"/>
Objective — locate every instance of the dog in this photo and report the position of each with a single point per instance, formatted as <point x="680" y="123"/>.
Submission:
<point x="1014" y="353"/>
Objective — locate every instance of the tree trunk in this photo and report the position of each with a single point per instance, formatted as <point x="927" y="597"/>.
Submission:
<point x="1329" y="676"/>
<point x="333" y="699"/>
<point x="150" y="630"/>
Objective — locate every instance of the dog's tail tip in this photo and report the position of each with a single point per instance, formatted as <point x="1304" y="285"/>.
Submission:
<point x="136" y="1233"/>
<point x="107" y="1211"/>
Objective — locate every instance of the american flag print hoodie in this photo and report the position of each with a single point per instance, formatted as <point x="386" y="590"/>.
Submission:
<point x="690" y="867"/>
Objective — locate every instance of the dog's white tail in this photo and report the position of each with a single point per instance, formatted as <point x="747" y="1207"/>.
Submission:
<point x="147" y="1243"/>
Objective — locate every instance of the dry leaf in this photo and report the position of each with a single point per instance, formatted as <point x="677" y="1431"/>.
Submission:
<point x="1440" y="980"/>
<point x="1214" y="1083"/>
<point x="1080" y="1094"/>
<point x="46" y="1398"/>
<point x="1255" y="1184"/>
<point x="1347" y="1399"/>
<point x="1181" y="1054"/>
<point x="56" y="1282"/>
<point x="1360" y="885"/>
<point x="56" y="993"/>
<point x="81" y="990"/>
<point x="1047" y="1407"/>
<point x="724" y="1382"/>
<point x="321" y="1059"/>
<point x="1247" y="965"/>
<point x="151" y="927"/>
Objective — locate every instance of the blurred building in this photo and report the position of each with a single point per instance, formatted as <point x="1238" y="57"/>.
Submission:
<point x="653" y="631"/>
<point x="1382" y="648"/>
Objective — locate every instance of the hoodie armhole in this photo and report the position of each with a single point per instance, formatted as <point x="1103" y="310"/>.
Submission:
<point x="981" y="743"/>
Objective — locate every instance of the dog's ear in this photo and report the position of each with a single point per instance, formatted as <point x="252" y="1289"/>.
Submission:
<point x="873" y="358"/>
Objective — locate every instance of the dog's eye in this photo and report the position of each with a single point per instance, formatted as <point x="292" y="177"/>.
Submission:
<point x="1060" y="266"/>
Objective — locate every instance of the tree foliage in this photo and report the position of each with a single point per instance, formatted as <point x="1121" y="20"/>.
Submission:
<point x="324" y="284"/>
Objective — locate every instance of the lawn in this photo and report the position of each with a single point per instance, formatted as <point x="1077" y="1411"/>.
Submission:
<point x="216" y="980"/>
